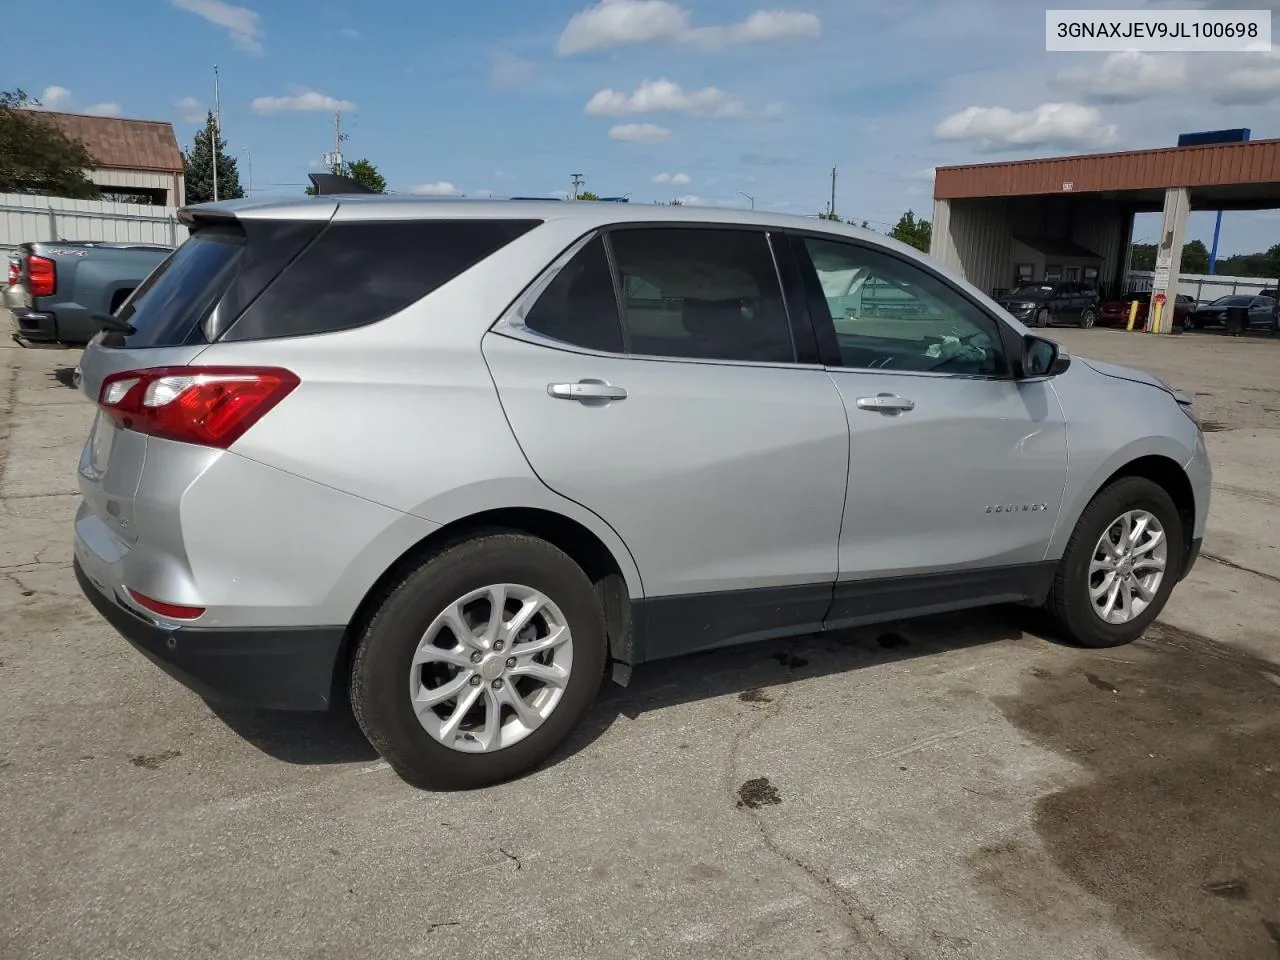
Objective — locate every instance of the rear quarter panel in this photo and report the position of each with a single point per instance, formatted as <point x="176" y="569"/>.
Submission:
<point x="1111" y="423"/>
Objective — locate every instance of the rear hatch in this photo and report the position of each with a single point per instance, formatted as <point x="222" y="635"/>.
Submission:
<point x="167" y="322"/>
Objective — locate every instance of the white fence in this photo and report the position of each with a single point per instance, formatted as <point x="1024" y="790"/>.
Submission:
<point x="26" y="219"/>
<point x="1201" y="287"/>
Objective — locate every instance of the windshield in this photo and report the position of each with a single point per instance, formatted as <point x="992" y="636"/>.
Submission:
<point x="1032" y="290"/>
<point x="169" y="306"/>
<point x="1232" y="302"/>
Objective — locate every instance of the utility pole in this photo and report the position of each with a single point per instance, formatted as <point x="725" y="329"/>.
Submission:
<point x="249" y="153"/>
<point x="578" y="180"/>
<point x="749" y="197"/>
<point x="832" y="211"/>
<point x="217" y="125"/>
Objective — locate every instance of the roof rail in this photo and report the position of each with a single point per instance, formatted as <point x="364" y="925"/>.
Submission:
<point x="331" y="184"/>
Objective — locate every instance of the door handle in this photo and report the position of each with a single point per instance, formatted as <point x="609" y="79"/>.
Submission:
<point x="886" y="403"/>
<point x="586" y="390"/>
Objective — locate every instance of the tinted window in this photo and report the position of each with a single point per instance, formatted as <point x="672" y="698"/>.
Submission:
<point x="579" y="306"/>
<point x="892" y="315"/>
<point x="168" y="307"/>
<point x="706" y="294"/>
<point x="358" y="273"/>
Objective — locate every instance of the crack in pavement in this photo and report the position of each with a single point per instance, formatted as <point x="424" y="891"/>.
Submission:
<point x="856" y="918"/>
<point x="1223" y="561"/>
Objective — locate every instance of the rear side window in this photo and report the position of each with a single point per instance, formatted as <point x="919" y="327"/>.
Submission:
<point x="169" y="306"/>
<point x="706" y="294"/>
<point x="355" y="274"/>
<point x="579" y="306"/>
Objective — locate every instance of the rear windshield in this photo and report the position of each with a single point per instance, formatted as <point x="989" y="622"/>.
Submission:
<point x="1233" y="302"/>
<point x="169" y="306"/>
<point x="255" y="280"/>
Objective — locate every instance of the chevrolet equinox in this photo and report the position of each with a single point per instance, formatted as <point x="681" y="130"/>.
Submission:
<point x="455" y="461"/>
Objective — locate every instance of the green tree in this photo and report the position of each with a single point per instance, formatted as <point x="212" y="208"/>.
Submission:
<point x="1142" y="256"/>
<point x="1195" y="257"/>
<point x="199" y="164"/>
<point x="913" y="232"/>
<point x="587" y="195"/>
<point x="37" y="157"/>
<point x="362" y="171"/>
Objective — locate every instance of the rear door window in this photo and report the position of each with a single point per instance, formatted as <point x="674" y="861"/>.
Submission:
<point x="579" y="307"/>
<point x="170" y="305"/>
<point x="701" y="293"/>
<point x="357" y="273"/>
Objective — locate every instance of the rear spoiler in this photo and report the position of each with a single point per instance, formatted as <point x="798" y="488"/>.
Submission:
<point x="331" y="184"/>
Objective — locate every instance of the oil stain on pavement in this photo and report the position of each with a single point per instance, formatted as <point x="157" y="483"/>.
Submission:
<point x="1175" y="827"/>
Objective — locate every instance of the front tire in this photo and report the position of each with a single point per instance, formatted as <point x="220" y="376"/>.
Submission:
<point x="1042" y="318"/>
<point x="1120" y="565"/>
<point x="480" y="662"/>
<point x="1088" y="319"/>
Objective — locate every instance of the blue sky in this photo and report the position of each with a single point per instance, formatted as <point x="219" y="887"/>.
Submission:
<point x="652" y="98"/>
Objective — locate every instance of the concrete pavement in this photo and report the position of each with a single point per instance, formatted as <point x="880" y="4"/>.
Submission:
<point x="952" y="787"/>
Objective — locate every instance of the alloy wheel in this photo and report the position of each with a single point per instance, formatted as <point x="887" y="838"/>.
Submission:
<point x="1128" y="567"/>
<point x="491" y="668"/>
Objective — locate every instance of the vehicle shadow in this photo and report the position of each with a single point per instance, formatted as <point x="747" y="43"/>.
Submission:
<point x="302" y="738"/>
<point x="334" y="737"/>
<point x="65" y="376"/>
<point x="749" y="669"/>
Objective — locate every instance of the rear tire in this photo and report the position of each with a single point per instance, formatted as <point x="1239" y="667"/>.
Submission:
<point x="1088" y="319"/>
<point x="390" y="647"/>
<point x="1074" y="610"/>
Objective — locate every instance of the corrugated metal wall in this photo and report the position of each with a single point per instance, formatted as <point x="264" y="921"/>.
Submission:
<point x="1103" y="228"/>
<point x="972" y="237"/>
<point x="170" y="183"/>
<point x="24" y="219"/>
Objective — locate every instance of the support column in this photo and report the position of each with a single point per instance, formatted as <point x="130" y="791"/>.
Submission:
<point x="1173" y="231"/>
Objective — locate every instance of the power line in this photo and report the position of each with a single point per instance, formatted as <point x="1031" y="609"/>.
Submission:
<point x="578" y="180"/>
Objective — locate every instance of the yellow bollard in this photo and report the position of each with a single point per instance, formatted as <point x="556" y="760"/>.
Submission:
<point x="1154" y="326"/>
<point x="1133" y="315"/>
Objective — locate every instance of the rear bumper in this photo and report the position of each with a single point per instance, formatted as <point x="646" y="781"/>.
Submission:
<point x="35" y="326"/>
<point x="275" y="668"/>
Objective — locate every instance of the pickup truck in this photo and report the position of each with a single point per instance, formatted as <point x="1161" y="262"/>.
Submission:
<point x="56" y="288"/>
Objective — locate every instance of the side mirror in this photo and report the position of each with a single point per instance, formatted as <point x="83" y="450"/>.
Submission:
<point x="1042" y="358"/>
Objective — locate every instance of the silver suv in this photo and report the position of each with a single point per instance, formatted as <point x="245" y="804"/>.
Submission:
<point x="457" y="460"/>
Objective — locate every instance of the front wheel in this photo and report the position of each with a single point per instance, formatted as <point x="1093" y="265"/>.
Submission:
<point x="480" y="662"/>
<point x="1120" y="565"/>
<point x="1088" y="319"/>
<point x="1042" y="318"/>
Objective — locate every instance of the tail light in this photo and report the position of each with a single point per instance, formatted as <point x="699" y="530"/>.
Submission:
<point x="207" y="406"/>
<point x="15" y="272"/>
<point x="42" y="276"/>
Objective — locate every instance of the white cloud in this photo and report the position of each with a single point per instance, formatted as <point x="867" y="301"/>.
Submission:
<point x="659" y="96"/>
<point x="302" y="99"/>
<point x="1061" y="125"/>
<point x="244" y="25"/>
<point x="1257" y="82"/>
<point x="507" y="72"/>
<point x="55" y="98"/>
<point x="927" y="173"/>
<point x="191" y="109"/>
<point x="440" y="188"/>
<point x="612" y="23"/>
<point x="107" y="109"/>
<point x="639" y="133"/>
<point x="1126" y="77"/>
<point x="675" y="179"/>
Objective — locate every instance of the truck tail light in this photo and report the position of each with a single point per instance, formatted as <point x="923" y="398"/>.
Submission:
<point x="42" y="276"/>
<point x="207" y="406"/>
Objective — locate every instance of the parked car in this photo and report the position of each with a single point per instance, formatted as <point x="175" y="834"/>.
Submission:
<point x="1262" y="313"/>
<point x="1050" y="302"/>
<point x="1116" y="312"/>
<point x="55" y="290"/>
<point x="460" y="458"/>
